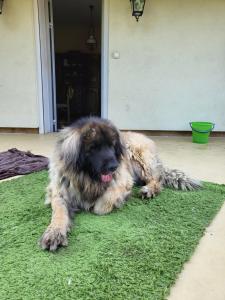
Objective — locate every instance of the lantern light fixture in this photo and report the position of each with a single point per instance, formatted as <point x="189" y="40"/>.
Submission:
<point x="1" y="6"/>
<point x="137" y="7"/>
<point x="91" y="41"/>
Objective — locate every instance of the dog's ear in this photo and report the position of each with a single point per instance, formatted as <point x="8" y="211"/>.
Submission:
<point x="89" y="134"/>
<point x="119" y="147"/>
<point x="69" y="147"/>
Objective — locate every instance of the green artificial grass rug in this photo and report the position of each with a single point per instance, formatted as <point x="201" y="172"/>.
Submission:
<point x="136" y="252"/>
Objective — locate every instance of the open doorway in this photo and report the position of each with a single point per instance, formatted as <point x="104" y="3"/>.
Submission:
<point x="77" y="43"/>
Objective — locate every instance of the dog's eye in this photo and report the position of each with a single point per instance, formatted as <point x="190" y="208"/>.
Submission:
<point x="92" y="148"/>
<point x="112" y="145"/>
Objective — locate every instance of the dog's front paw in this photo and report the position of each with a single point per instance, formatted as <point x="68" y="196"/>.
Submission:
<point x="122" y="199"/>
<point x="102" y="208"/>
<point x="52" y="239"/>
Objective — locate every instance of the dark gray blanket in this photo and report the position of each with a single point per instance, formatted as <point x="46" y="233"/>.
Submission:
<point x="15" y="162"/>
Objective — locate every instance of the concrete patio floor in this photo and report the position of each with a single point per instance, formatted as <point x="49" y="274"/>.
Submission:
<point x="203" y="277"/>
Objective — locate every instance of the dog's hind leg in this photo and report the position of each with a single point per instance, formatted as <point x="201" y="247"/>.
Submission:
<point x="56" y="233"/>
<point x="113" y="197"/>
<point x="150" y="172"/>
<point x="153" y="180"/>
<point x="146" y="166"/>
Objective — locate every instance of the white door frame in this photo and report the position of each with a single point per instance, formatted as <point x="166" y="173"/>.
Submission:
<point x="44" y="83"/>
<point x="105" y="59"/>
<point x="39" y="67"/>
<point x="45" y="67"/>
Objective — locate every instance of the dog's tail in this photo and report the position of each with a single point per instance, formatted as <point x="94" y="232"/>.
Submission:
<point x="178" y="180"/>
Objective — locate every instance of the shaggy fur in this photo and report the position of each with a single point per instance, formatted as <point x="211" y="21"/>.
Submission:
<point x="94" y="167"/>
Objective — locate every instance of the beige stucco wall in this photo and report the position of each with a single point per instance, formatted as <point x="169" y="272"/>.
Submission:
<point x="171" y="68"/>
<point x="18" y="91"/>
<point x="172" y="64"/>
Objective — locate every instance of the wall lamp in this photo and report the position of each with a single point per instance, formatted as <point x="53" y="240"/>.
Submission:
<point x="1" y="6"/>
<point x="137" y="7"/>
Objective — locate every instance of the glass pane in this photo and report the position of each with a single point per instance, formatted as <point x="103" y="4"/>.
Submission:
<point x="138" y="5"/>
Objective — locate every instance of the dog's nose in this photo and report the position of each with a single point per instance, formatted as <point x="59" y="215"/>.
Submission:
<point x="112" y="166"/>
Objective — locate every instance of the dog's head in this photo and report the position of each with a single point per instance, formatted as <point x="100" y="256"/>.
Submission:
<point x="98" y="149"/>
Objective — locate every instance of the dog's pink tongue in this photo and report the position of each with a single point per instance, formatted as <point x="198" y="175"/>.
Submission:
<point x="106" y="178"/>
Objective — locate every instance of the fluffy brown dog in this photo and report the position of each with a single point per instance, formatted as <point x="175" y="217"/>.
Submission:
<point x="94" y="168"/>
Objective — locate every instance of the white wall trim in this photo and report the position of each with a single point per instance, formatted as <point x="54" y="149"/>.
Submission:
<point x="38" y="66"/>
<point x="105" y="59"/>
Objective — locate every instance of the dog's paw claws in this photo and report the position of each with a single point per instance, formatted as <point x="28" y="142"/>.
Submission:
<point x="52" y="239"/>
<point x="146" y="193"/>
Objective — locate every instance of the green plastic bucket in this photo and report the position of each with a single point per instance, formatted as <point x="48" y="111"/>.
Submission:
<point x="201" y="131"/>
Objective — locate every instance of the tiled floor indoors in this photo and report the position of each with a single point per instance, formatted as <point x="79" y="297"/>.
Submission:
<point x="203" y="276"/>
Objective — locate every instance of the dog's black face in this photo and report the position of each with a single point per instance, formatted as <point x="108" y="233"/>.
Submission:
<point x="100" y="163"/>
<point x="100" y="154"/>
